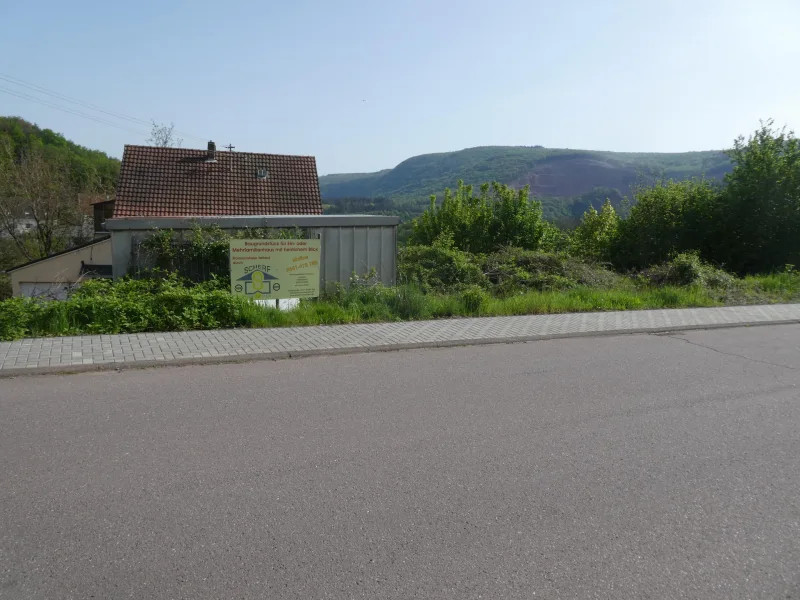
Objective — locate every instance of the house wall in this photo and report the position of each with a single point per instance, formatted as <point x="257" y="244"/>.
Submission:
<point x="23" y="226"/>
<point x="58" y="270"/>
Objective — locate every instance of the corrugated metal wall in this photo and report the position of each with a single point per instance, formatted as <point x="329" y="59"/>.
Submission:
<point x="348" y="250"/>
<point x="350" y="243"/>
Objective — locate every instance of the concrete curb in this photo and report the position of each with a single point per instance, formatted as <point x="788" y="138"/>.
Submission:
<point x="270" y="356"/>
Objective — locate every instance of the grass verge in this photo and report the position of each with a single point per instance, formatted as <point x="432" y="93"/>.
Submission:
<point x="141" y="306"/>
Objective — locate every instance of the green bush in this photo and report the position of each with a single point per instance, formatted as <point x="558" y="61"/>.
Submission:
<point x="15" y="317"/>
<point x="438" y="268"/>
<point x="127" y="306"/>
<point x="668" y="218"/>
<point x="474" y="299"/>
<point x="5" y="286"/>
<point x="132" y="306"/>
<point x="759" y="222"/>
<point x="688" y="269"/>
<point x="498" y="216"/>
<point x="201" y="253"/>
<point x="597" y="234"/>
<point x="512" y="270"/>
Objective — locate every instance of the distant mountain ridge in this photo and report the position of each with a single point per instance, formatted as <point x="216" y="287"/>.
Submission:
<point x="552" y="173"/>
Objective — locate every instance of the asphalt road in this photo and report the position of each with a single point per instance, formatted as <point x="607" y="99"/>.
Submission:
<point x="620" y="467"/>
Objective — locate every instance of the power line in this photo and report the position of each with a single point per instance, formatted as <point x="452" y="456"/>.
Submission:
<point x="43" y="90"/>
<point x="68" y="110"/>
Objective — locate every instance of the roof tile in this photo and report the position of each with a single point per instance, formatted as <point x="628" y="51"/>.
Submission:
<point x="178" y="182"/>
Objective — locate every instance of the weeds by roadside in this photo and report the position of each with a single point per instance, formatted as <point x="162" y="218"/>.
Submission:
<point x="170" y="304"/>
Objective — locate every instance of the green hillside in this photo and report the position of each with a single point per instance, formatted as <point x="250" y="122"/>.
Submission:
<point x="92" y="169"/>
<point x="566" y="180"/>
<point x="58" y="170"/>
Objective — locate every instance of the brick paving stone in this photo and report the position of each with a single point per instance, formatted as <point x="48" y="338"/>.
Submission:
<point x="87" y="350"/>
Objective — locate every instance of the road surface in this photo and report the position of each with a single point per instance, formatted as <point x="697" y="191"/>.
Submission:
<point x="649" y="466"/>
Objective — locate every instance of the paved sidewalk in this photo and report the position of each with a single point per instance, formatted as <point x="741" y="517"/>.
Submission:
<point x="145" y="349"/>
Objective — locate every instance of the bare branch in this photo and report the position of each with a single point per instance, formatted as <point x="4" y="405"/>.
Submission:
<point x="39" y="208"/>
<point x="164" y="136"/>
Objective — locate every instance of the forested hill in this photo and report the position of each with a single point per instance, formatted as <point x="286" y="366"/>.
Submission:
<point x="566" y="180"/>
<point x="95" y="170"/>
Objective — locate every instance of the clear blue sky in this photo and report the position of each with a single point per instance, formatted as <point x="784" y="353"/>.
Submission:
<point x="365" y="84"/>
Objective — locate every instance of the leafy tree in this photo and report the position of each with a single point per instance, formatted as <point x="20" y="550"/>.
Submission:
<point x="498" y="216"/>
<point x="89" y="167"/>
<point x="760" y="224"/>
<point x="668" y="218"/>
<point x="596" y="236"/>
<point x="41" y="191"/>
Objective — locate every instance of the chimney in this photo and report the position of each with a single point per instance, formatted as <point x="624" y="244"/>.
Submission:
<point x="211" y="154"/>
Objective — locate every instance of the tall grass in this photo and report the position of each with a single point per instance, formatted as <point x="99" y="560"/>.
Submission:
<point x="124" y="308"/>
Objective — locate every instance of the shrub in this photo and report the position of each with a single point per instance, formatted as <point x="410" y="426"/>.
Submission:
<point x="687" y="269"/>
<point x="438" y="268"/>
<point x="498" y="216"/>
<point x="127" y="306"/>
<point x="760" y="223"/>
<point x="15" y="317"/>
<point x="200" y="253"/>
<point x="515" y="269"/>
<point x="5" y="286"/>
<point x="474" y="299"/>
<point x="668" y="218"/>
<point x="554" y="239"/>
<point x="596" y="236"/>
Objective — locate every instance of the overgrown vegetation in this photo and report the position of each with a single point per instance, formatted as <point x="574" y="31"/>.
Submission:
<point x="538" y="284"/>
<point x="497" y="216"/>
<point x="200" y="253"/>
<point x="676" y="244"/>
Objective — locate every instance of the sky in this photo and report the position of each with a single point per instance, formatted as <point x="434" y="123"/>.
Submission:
<point x="364" y="84"/>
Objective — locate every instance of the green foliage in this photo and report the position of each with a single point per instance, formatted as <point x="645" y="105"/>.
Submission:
<point x="15" y="317"/>
<point x="486" y="253"/>
<point x="581" y="172"/>
<point x="200" y="254"/>
<point x="127" y="306"/>
<point x="474" y="299"/>
<point x="91" y="169"/>
<point x="498" y="216"/>
<point x="760" y="223"/>
<point x="5" y="286"/>
<point x="750" y="225"/>
<point x="688" y="269"/>
<point x="585" y="299"/>
<point x="438" y="267"/>
<point x="596" y="236"/>
<point x="171" y="304"/>
<point x="667" y="218"/>
<point x="554" y="239"/>
<point x="515" y="270"/>
<point x="9" y="257"/>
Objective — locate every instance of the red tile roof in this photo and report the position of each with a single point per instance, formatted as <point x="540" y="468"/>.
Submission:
<point x="173" y="182"/>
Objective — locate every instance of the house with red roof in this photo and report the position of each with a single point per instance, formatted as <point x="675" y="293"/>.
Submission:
<point x="180" y="182"/>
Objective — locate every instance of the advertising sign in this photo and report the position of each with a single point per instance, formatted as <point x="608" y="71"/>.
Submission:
<point x="275" y="269"/>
